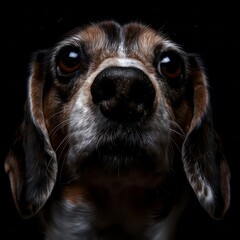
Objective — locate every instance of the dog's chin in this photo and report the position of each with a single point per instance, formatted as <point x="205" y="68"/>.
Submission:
<point x="121" y="163"/>
<point x="123" y="167"/>
<point x="119" y="159"/>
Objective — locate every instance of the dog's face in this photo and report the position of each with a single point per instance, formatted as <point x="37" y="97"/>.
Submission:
<point x="113" y="104"/>
<point x="114" y="93"/>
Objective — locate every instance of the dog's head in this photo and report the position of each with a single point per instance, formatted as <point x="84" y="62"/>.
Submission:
<point x="116" y="100"/>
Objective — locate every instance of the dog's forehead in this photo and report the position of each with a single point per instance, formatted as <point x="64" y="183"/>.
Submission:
<point x="112" y="37"/>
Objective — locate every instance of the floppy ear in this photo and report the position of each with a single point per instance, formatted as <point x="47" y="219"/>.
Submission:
<point x="31" y="162"/>
<point x="203" y="159"/>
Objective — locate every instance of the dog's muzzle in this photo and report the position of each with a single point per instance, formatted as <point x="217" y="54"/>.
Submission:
<point x="123" y="93"/>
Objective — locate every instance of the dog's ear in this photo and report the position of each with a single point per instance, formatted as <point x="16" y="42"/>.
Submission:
<point x="203" y="158"/>
<point x="31" y="162"/>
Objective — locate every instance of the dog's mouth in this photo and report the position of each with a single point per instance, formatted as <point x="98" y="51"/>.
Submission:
<point x="119" y="149"/>
<point x="118" y="144"/>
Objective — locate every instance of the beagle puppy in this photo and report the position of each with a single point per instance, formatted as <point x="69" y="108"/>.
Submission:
<point x="117" y="132"/>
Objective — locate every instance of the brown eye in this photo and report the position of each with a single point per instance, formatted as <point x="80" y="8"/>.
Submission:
<point x="69" y="60"/>
<point x="171" y="65"/>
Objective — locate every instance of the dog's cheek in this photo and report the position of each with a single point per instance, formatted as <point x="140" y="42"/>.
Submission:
<point x="54" y="112"/>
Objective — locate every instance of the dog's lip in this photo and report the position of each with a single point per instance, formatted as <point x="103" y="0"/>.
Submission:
<point x="127" y="147"/>
<point x="121" y="136"/>
<point x="110" y="164"/>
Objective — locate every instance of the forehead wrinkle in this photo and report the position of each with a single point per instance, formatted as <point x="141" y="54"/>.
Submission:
<point x="114" y="39"/>
<point x="141" y="40"/>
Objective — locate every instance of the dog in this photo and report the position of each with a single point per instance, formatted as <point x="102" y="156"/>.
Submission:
<point x="117" y="132"/>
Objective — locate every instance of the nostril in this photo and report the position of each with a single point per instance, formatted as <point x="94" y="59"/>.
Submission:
<point x="123" y="93"/>
<point x="103" y="89"/>
<point x="142" y="91"/>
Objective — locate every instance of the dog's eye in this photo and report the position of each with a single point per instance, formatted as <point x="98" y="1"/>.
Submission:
<point x="170" y="66"/>
<point x="69" y="60"/>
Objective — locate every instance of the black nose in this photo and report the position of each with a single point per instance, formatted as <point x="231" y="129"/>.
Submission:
<point x="123" y="93"/>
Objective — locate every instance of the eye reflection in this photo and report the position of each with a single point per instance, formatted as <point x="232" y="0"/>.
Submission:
<point x="171" y="65"/>
<point x="69" y="60"/>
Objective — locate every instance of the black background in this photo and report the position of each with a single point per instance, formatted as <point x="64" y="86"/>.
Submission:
<point x="212" y="30"/>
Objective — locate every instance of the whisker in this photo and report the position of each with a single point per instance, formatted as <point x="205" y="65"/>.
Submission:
<point x="179" y="149"/>
<point x="176" y="128"/>
<point x="60" y="125"/>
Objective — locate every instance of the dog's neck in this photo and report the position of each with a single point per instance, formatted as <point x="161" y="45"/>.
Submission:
<point x="120" y="207"/>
